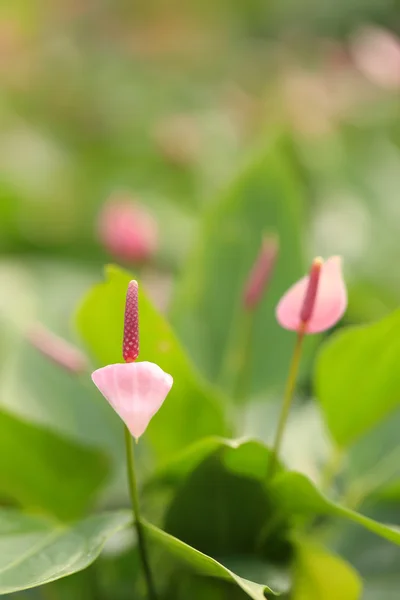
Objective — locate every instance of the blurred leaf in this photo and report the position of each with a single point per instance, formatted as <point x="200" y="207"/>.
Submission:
<point x="244" y="456"/>
<point x="227" y="492"/>
<point x="320" y="575"/>
<point x="63" y="402"/>
<point x="42" y="471"/>
<point x="377" y="560"/>
<point x="357" y="377"/>
<point x="201" y="563"/>
<point x="34" y="550"/>
<point x="372" y="465"/>
<point x="297" y="496"/>
<point x="184" y="585"/>
<point x="32" y="387"/>
<point x="193" y="409"/>
<point x="230" y="508"/>
<point x="207" y="310"/>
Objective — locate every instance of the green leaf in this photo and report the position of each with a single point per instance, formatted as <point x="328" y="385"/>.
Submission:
<point x="357" y="377"/>
<point x="207" y="310"/>
<point x="42" y="471"/>
<point x="320" y="575"/>
<point x="201" y="563"/>
<point x="244" y="456"/>
<point x="193" y="409"/>
<point x="35" y="551"/>
<point x="373" y="462"/>
<point x="377" y="560"/>
<point x="222" y="482"/>
<point x="226" y="490"/>
<point x="47" y="394"/>
<point x="67" y="404"/>
<point x="297" y="496"/>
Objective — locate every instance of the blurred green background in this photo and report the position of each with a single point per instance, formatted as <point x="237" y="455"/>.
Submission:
<point x="164" y="102"/>
<point x="217" y="121"/>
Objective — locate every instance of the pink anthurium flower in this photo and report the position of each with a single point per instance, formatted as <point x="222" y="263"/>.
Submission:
<point x="317" y="301"/>
<point x="136" y="391"/>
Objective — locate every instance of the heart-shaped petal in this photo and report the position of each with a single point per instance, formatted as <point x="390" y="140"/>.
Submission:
<point x="136" y="391"/>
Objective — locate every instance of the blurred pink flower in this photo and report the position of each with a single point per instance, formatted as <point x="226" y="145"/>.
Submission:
<point x="136" y="391"/>
<point x="61" y="352"/>
<point x="261" y="272"/>
<point x="316" y="302"/>
<point x="127" y="230"/>
<point x="376" y="53"/>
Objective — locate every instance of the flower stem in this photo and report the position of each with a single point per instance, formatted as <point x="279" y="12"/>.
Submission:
<point x="130" y="462"/>
<point x="287" y="401"/>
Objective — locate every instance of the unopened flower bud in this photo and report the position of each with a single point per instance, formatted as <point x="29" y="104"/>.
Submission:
<point x="59" y="351"/>
<point x="261" y="272"/>
<point x="127" y="230"/>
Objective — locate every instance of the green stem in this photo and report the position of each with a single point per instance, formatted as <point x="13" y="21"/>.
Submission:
<point x="130" y="460"/>
<point x="287" y="401"/>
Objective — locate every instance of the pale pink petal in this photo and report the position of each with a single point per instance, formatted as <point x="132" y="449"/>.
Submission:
<point x="136" y="391"/>
<point x="330" y="304"/>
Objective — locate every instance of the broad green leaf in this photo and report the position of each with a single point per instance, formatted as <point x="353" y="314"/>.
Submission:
<point x="207" y="309"/>
<point x="320" y="575"/>
<point x="32" y="386"/>
<point x="201" y="563"/>
<point x="357" y="377"/>
<point x="42" y="471"/>
<point x="297" y="496"/>
<point x="243" y="456"/>
<point x="35" y="550"/>
<point x="66" y="404"/>
<point x="192" y="409"/>
<point x="184" y="584"/>
<point x="372" y="466"/>
<point x="227" y="492"/>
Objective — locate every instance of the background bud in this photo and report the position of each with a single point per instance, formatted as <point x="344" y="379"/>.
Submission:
<point x="127" y="230"/>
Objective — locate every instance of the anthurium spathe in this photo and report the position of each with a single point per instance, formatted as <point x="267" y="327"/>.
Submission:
<point x="326" y="301"/>
<point x="135" y="390"/>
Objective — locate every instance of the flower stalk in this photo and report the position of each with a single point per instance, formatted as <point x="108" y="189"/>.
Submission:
<point x="287" y="399"/>
<point x="133" y="492"/>
<point x="306" y="312"/>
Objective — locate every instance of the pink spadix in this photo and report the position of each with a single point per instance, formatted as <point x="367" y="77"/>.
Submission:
<point x="316" y="302"/>
<point x="261" y="273"/>
<point x="136" y="391"/>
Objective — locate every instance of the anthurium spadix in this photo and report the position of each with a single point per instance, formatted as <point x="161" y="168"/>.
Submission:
<point x="135" y="390"/>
